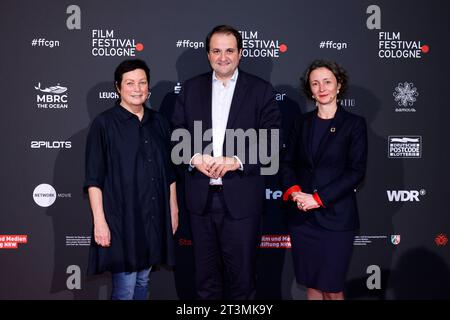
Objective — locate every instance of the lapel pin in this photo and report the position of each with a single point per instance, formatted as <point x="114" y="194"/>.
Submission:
<point x="332" y="129"/>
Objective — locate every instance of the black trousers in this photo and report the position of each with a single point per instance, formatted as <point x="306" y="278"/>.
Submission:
<point x="224" y="248"/>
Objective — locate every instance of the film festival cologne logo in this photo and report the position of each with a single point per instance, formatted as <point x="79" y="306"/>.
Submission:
<point x="253" y="45"/>
<point x="108" y="43"/>
<point x="392" y="44"/>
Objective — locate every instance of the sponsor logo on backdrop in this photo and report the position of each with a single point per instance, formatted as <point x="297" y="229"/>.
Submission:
<point x="177" y="88"/>
<point x="42" y="144"/>
<point x="42" y="42"/>
<point x="405" y="195"/>
<point x="395" y="239"/>
<point x="330" y="44"/>
<point x="253" y="45"/>
<point x="73" y="21"/>
<point x="73" y="281"/>
<point x="273" y="194"/>
<point x="78" y="241"/>
<point x="277" y="241"/>
<point x="364" y="240"/>
<point x="405" y="95"/>
<point x="52" y="97"/>
<point x="405" y="146"/>
<point x="347" y="102"/>
<point x="189" y="44"/>
<point x="441" y="240"/>
<point x="256" y="46"/>
<point x="392" y="45"/>
<point x="108" y="95"/>
<point x="12" y="241"/>
<point x="109" y="43"/>
<point x="45" y="195"/>
<point x="374" y="280"/>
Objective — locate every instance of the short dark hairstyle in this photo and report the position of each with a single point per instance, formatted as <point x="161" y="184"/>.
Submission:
<point x="226" y="29"/>
<point x="127" y="66"/>
<point x="335" y="68"/>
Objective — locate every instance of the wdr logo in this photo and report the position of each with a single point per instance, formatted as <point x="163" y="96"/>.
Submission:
<point x="405" y="195"/>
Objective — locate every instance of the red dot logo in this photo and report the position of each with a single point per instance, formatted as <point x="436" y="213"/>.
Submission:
<point x="283" y="47"/>
<point x="425" y="48"/>
<point x="441" y="240"/>
<point x="139" y="47"/>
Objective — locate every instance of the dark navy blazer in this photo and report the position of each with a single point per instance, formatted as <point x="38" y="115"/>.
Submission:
<point x="253" y="106"/>
<point x="334" y="172"/>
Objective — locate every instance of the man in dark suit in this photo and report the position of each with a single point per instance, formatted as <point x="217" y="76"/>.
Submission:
<point x="224" y="191"/>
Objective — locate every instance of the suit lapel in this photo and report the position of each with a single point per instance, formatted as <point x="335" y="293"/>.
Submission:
<point x="306" y="136"/>
<point x="238" y="97"/>
<point x="207" y="103"/>
<point x="335" y="127"/>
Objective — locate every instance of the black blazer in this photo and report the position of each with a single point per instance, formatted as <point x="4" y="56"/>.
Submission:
<point x="253" y="106"/>
<point x="335" y="172"/>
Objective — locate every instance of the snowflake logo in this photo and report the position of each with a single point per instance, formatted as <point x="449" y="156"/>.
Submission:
<point x="405" y="94"/>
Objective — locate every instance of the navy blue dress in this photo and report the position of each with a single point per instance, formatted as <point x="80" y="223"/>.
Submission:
<point x="321" y="256"/>
<point x="129" y="160"/>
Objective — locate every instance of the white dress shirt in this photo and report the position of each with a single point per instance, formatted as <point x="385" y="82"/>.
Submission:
<point x="222" y="95"/>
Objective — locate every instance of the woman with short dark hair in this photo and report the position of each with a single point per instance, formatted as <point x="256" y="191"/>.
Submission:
<point x="323" y="164"/>
<point x="131" y="186"/>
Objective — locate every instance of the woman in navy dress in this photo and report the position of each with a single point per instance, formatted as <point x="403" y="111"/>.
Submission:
<point x="323" y="163"/>
<point x="131" y="186"/>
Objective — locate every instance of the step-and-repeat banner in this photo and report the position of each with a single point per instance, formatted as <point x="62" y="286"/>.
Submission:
<point x="57" y="63"/>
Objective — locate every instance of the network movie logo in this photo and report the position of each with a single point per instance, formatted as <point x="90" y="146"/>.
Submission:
<point x="105" y="44"/>
<point x="405" y="195"/>
<point x="53" y="97"/>
<point x="405" y="146"/>
<point x="44" y="195"/>
<point x="405" y="95"/>
<point x="42" y="144"/>
<point x="391" y="46"/>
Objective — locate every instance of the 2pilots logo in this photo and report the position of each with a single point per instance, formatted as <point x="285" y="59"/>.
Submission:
<point x="41" y="144"/>
<point x="53" y="97"/>
<point x="45" y="195"/>
<point x="106" y="44"/>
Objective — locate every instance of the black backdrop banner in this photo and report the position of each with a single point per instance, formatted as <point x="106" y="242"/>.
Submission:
<point x="57" y="63"/>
